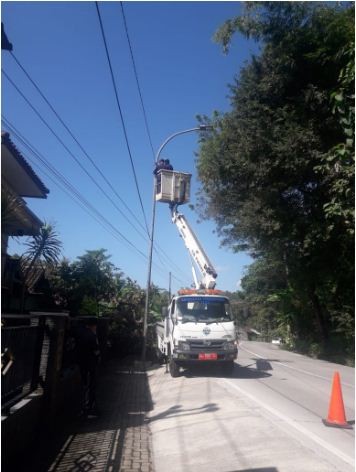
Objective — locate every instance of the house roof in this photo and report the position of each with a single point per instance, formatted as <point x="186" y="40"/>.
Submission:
<point x="16" y="171"/>
<point x="5" y="43"/>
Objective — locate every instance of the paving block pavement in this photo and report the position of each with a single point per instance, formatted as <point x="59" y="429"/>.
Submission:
<point x="117" y="441"/>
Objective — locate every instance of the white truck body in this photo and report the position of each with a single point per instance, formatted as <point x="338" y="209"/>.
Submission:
<point x="198" y="328"/>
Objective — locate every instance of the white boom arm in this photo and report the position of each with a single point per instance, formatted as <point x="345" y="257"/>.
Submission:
<point x="196" y="251"/>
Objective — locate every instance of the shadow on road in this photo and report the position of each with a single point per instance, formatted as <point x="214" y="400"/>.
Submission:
<point x="177" y="410"/>
<point x="239" y="372"/>
<point x="272" y="360"/>
<point x="263" y="364"/>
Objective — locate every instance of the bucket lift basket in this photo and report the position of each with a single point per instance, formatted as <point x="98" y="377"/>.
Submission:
<point x="172" y="187"/>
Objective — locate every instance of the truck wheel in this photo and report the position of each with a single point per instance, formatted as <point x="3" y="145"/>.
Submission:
<point x="173" y="368"/>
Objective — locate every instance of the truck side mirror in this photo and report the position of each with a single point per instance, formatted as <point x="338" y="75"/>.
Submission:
<point x="164" y="312"/>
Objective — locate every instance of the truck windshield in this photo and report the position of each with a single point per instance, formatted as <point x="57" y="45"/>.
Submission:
<point x="203" y="309"/>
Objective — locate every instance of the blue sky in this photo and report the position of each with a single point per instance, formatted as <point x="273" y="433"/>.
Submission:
<point x="182" y="73"/>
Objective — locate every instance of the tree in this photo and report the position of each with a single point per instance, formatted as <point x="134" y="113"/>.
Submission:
<point x="42" y="249"/>
<point x="271" y="174"/>
<point x="92" y="285"/>
<point x="95" y="276"/>
<point x="126" y="326"/>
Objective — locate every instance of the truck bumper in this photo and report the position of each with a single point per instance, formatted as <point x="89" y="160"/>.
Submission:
<point x="182" y="357"/>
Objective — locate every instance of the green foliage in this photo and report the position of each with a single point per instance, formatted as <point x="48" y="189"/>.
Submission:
<point x="44" y="247"/>
<point x="92" y="285"/>
<point x="89" y="285"/>
<point x="43" y="251"/>
<point x="277" y="170"/>
<point x="95" y="277"/>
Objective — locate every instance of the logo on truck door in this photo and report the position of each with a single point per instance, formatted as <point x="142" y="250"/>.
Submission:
<point x="206" y="330"/>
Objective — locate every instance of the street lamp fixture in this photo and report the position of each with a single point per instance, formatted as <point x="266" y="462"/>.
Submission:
<point x="200" y="128"/>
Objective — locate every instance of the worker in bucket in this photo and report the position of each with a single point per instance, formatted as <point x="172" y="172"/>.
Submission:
<point x="160" y="165"/>
<point x="167" y="165"/>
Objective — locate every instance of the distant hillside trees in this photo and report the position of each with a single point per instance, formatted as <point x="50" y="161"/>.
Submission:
<point x="277" y="171"/>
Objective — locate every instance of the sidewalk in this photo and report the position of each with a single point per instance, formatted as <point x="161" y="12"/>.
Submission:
<point x="119" y="440"/>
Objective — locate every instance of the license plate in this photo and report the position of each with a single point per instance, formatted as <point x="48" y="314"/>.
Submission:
<point x="208" y="356"/>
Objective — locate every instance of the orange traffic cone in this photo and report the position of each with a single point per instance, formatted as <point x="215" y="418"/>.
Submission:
<point x="336" y="416"/>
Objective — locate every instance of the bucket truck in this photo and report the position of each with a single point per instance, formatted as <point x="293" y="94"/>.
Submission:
<point x="198" y="326"/>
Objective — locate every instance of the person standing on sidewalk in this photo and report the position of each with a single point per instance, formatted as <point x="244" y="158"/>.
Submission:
<point x="88" y="359"/>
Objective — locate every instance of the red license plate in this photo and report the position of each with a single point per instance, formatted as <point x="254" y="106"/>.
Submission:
<point x="208" y="356"/>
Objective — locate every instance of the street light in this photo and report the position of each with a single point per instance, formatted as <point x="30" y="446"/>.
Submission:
<point x="197" y="128"/>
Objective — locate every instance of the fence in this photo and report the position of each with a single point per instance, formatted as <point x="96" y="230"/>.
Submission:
<point x="25" y="344"/>
<point x="36" y="349"/>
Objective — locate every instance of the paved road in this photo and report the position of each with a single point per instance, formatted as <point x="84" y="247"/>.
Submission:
<point x="265" y="417"/>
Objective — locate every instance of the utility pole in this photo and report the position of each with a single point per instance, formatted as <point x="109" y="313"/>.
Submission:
<point x="169" y="289"/>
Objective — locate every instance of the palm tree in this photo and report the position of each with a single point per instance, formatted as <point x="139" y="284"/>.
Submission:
<point x="42" y="248"/>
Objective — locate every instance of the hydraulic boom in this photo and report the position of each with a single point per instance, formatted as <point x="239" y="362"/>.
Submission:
<point x="208" y="273"/>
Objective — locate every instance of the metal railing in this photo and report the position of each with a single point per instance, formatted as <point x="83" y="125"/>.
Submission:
<point x="21" y="350"/>
<point x="31" y="344"/>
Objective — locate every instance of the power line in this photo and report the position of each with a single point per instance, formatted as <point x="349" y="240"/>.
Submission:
<point x="92" y="161"/>
<point x="143" y="110"/>
<point x="66" y="183"/>
<point x="81" y="147"/>
<point x="121" y="115"/>
<point x="68" y="150"/>
<point x="70" y="190"/>
<point x="137" y="81"/>
<point x="140" y="94"/>
<point x="74" y="137"/>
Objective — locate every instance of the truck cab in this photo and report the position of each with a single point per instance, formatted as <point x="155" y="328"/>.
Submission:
<point x="198" y="328"/>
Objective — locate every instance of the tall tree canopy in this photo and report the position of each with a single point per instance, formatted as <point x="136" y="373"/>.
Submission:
<point x="277" y="171"/>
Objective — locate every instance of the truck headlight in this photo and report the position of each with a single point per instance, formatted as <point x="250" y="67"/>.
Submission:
<point x="229" y="345"/>
<point x="183" y="346"/>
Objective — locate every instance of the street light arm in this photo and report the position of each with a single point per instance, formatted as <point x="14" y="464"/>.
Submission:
<point x="197" y="128"/>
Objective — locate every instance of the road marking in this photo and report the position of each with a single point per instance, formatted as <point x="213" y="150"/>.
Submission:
<point x="295" y="368"/>
<point x="349" y="460"/>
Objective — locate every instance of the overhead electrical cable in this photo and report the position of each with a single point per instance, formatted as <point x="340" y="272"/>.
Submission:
<point x="121" y="114"/>
<point x="68" y="185"/>
<point x="70" y="190"/>
<point x="84" y="151"/>
<point x="75" y="138"/>
<point x="143" y="110"/>
<point x="67" y="192"/>
<point x="69" y="151"/>
<point x="137" y="81"/>
<point x="90" y="159"/>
